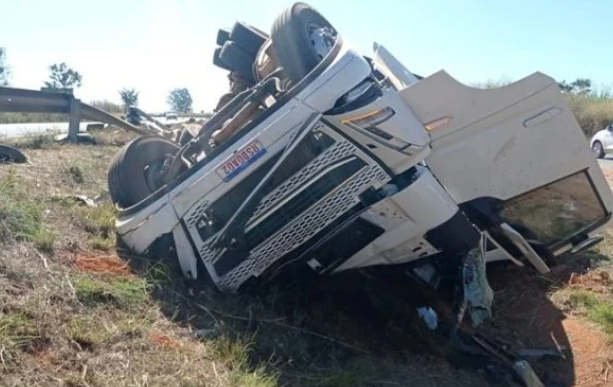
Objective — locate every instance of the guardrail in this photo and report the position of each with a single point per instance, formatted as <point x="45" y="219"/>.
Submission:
<point x="34" y="101"/>
<point x="184" y="115"/>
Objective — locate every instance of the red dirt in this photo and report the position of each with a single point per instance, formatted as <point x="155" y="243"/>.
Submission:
<point x="100" y="263"/>
<point x="527" y="319"/>
<point x="163" y="340"/>
<point x="597" y="281"/>
<point x="593" y="358"/>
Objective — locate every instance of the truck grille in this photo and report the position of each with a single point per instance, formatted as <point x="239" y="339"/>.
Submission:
<point x="290" y="210"/>
<point x="221" y="211"/>
<point x="322" y="183"/>
<point x="304" y="227"/>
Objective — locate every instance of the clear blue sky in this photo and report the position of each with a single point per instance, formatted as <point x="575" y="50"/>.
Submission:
<point x="157" y="45"/>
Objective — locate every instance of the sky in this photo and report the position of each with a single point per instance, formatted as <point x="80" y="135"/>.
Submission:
<point x="155" y="46"/>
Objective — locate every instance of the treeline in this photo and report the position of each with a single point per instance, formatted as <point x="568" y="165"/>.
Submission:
<point x="592" y="106"/>
<point x="63" y="78"/>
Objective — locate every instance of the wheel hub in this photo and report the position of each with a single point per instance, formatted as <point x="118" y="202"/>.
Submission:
<point x="153" y="175"/>
<point x="322" y="39"/>
<point x="596" y="147"/>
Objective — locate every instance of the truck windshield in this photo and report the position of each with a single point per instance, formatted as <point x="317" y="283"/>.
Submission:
<point x="557" y="211"/>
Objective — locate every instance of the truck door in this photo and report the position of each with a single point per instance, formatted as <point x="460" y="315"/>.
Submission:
<point x="519" y="146"/>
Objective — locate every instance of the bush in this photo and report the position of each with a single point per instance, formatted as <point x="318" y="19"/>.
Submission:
<point x="592" y="112"/>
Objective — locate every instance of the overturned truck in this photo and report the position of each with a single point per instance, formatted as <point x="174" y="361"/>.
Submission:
<point x="321" y="159"/>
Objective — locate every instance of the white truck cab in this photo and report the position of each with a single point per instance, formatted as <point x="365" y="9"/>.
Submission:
<point x="329" y="160"/>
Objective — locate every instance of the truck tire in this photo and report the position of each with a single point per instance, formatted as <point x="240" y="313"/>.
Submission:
<point x="128" y="177"/>
<point x="248" y="38"/>
<point x="301" y="38"/>
<point x="8" y="154"/>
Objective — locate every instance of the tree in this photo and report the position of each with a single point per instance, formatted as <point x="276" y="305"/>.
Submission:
<point x="180" y="100"/>
<point x="129" y="97"/>
<point x="63" y="77"/>
<point x="580" y="86"/>
<point x="4" y="69"/>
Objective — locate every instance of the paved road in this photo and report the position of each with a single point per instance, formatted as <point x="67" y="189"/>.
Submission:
<point x="606" y="163"/>
<point x="16" y="130"/>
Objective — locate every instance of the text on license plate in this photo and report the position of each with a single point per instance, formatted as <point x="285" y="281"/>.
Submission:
<point x="241" y="160"/>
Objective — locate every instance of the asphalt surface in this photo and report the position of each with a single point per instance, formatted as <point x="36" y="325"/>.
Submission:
<point x="606" y="163"/>
<point x="16" y="130"/>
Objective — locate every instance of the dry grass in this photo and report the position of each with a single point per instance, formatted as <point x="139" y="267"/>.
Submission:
<point x="21" y="215"/>
<point x="78" y="315"/>
<point x="592" y="113"/>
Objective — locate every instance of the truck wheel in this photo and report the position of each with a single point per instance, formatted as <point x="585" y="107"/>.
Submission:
<point x="301" y="38"/>
<point x="131" y="174"/>
<point x="598" y="149"/>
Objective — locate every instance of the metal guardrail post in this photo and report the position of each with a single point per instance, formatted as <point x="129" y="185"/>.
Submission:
<point x="33" y="101"/>
<point x="74" y="120"/>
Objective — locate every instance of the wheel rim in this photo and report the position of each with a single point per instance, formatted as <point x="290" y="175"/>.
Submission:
<point x="597" y="148"/>
<point x="153" y="174"/>
<point x="322" y="39"/>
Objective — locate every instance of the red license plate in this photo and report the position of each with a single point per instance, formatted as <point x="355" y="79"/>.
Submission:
<point x="241" y="160"/>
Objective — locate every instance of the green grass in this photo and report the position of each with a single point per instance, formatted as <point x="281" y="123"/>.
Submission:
<point x="583" y="299"/>
<point x="102" y="325"/>
<point x="256" y="378"/>
<point x="35" y="141"/>
<point x="78" y="174"/>
<point x="99" y="221"/>
<point x="233" y="353"/>
<point x="102" y="243"/>
<point x="21" y="214"/>
<point x="17" y="330"/>
<point x="595" y="308"/>
<point x="602" y="314"/>
<point x="125" y="291"/>
<point x="157" y="273"/>
<point x="88" y="330"/>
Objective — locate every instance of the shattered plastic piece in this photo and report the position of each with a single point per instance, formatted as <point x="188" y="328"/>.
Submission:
<point x="85" y="200"/>
<point x="477" y="290"/>
<point x="429" y="316"/>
